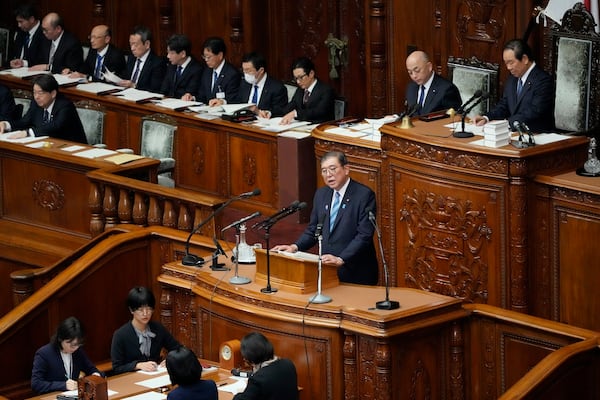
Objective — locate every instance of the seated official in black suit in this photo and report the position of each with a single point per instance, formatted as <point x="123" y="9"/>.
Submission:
<point x="185" y="371"/>
<point x="65" y="52"/>
<point x="30" y="46"/>
<point x="8" y="108"/>
<point x="102" y="56"/>
<point x="528" y="92"/>
<point x="145" y="70"/>
<point x="220" y="82"/>
<point x="58" y="364"/>
<point x="260" y="89"/>
<point x="183" y="74"/>
<point x="273" y="378"/>
<point x="341" y="208"/>
<point x="50" y="114"/>
<point x="313" y="101"/>
<point x="428" y="89"/>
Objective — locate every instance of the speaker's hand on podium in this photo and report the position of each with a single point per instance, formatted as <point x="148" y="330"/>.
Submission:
<point x="290" y="248"/>
<point x="331" y="259"/>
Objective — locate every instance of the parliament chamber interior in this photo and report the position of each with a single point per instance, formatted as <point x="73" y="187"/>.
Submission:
<point x="489" y="250"/>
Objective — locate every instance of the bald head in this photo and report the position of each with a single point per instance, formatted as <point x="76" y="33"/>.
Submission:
<point x="419" y="67"/>
<point x="100" y="37"/>
<point x="52" y="26"/>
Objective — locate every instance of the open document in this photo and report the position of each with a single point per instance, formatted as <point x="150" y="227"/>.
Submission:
<point x="64" y="80"/>
<point x="274" y="124"/>
<point x="99" y="88"/>
<point x="23" y="72"/>
<point x="138" y="95"/>
<point x="176" y="104"/>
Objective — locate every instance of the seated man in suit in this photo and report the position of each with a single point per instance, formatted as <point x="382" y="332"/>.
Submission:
<point x="145" y="70"/>
<point x="313" y="101"/>
<point x="103" y="55"/>
<point x="221" y="80"/>
<point x="50" y="114"/>
<point x="266" y="93"/>
<point x="183" y="75"/>
<point x="30" y="46"/>
<point x="341" y="210"/>
<point x="427" y="89"/>
<point x="528" y="92"/>
<point x="65" y="50"/>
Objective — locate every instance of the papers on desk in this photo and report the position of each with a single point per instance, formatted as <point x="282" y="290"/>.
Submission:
<point x="99" y="88"/>
<point x="157" y="382"/>
<point x="274" y="124"/>
<point x="23" y="72"/>
<point x="175" y="104"/>
<point x="95" y="153"/>
<point x="159" y="370"/>
<point x="214" y="110"/>
<point x="231" y="108"/>
<point x="71" y="149"/>
<point x="75" y="393"/>
<point x="295" y="134"/>
<point x="221" y="109"/>
<point x="301" y="255"/>
<point x="146" y="396"/>
<point x="237" y="387"/>
<point x="27" y="139"/>
<point x="457" y="126"/>
<point x="63" y="80"/>
<point x="137" y="95"/>
<point x="123" y="158"/>
<point x="111" y="76"/>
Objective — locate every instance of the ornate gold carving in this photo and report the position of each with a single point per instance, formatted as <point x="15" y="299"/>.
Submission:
<point x="48" y="194"/>
<point x="446" y="236"/>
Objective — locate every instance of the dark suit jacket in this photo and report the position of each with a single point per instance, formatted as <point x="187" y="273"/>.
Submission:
<point x="535" y="105"/>
<point x="276" y="381"/>
<point x="442" y="95"/>
<point x="352" y="234"/>
<point x="8" y="107"/>
<point x="64" y="123"/>
<point x="201" y="390"/>
<point x="228" y="82"/>
<point x="69" y="54"/>
<point x="188" y="83"/>
<point x="125" y="348"/>
<point x="37" y="51"/>
<point x="319" y="107"/>
<point x="48" y="373"/>
<point x="151" y="75"/>
<point x="272" y="98"/>
<point x="114" y="60"/>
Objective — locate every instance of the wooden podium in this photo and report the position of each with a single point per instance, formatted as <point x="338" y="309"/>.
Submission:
<point x="296" y="273"/>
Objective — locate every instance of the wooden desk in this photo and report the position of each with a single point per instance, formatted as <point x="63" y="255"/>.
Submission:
<point x="216" y="157"/>
<point x="126" y="385"/>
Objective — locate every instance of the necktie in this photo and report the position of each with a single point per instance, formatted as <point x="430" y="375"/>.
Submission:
<point x="51" y="57"/>
<point x="46" y="117"/>
<point x="134" y="78"/>
<point x="179" y="72"/>
<point x="422" y="96"/>
<point x="98" y="70"/>
<point x="519" y="87"/>
<point x="255" y="95"/>
<point x="27" y="37"/>
<point x="334" y="210"/>
<point x="306" y="96"/>
<point x="214" y="82"/>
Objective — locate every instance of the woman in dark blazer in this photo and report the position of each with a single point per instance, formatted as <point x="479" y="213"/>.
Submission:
<point x="185" y="371"/>
<point x="58" y="365"/>
<point x="273" y="378"/>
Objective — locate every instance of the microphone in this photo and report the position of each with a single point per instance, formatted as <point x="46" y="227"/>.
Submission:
<point x="477" y="94"/>
<point x="283" y="210"/>
<point x="519" y="128"/>
<point x="386" y="304"/>
<point x="216" y="266"/>
<point x="529" y="134"/>
<point x="241" y="221"/>
<point x="193" y="260"/>
<point x="413" y="110"/>
<point x="484" y="96"/>
<point x="319" y="230"/>
<point x="295" y="206"/>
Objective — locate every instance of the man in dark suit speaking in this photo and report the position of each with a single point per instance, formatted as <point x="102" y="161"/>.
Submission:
<point x="50" y="114"/>
<point x="342" y="209"/>
<point x="528" y="92"/>
<point x="428" y="89"/>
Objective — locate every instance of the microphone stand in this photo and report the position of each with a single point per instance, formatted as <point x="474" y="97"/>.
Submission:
<point x="386" y="304"/>
<point x="268" y="289"/>
<point x="236" y="279"/>
<point x="462" y="133"/>
<point x="319" y="298"/>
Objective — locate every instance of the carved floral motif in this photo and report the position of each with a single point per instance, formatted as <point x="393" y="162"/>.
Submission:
<point x="48" y="194"/>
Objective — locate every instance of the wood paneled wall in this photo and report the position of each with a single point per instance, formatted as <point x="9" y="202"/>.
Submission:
<point x="379" y="34"/>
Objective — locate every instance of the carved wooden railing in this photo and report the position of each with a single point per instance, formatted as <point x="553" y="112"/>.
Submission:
<point x="118" y="200"/>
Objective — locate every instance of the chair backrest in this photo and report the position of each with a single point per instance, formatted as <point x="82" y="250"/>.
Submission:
<point x="574" y="60"/>
<point x="339" y="108"/>
<point x="24" y="98"/>
<point x="86" y="51"/>
<point x="4" y="41"/>
<point x="291" y="89"/>
<point x="157" y="136"/>
<point x="92" y="116"/>
<point x="471" y="75"/>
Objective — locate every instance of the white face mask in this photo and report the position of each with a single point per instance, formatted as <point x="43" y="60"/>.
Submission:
<point x="251" y="79"/>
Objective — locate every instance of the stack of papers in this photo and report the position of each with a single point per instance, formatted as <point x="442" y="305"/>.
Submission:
<point x="63" y="80"/>
<point x="137" y="95"/>
<point x="496" y="133"/>
<point x="23" y="72"/>
<point x="274" y="124"/>
<point x="99" y="88"/>
<point x="176" y="104"/>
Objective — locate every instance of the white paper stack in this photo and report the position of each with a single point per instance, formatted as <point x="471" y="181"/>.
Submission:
<point x="496" y="133"/>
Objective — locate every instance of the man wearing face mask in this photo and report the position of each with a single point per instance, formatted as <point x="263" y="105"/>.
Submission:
<point x="258" y="88"/>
